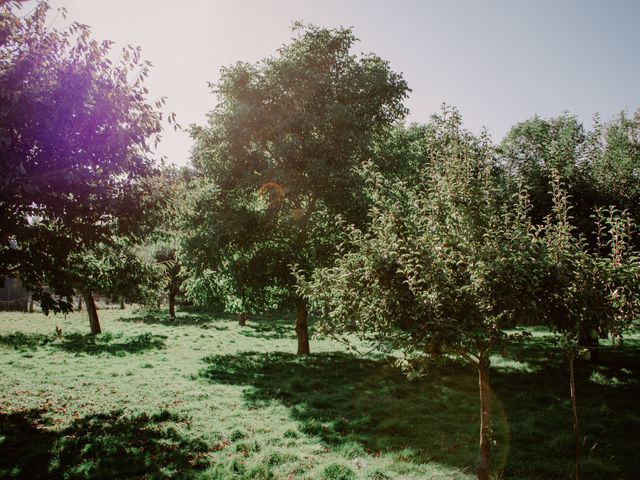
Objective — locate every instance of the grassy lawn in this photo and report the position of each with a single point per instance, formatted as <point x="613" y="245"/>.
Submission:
<point x="205" y="398"/>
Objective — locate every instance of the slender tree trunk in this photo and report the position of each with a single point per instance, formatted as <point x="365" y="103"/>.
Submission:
<point x="302" y="328"/>
<point x="94" y="322"/>
<point x="590" y="341"/>
<point x="79" y="303"/>
<point x="172" y="305"/>
<point x="31" y="303"/>
<point x="574" y="408"/>
<point x="121" y="303"/>
<point x="242" y="319"/>
<point x="485" y="418"/>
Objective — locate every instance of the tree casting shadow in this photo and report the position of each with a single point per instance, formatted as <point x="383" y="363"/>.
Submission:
<point x="99" y="447"/>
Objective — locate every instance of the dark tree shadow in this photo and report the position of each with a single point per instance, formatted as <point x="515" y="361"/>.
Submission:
<point x="270" y="329"/>
<point x="23" y="341"/>
<point x="110" y="344"/>
<point x="99" y="447"/>
<point x="341" y="398"/>
<point x="86" y="344"/>
<point x="25" y="444"/>
<point x="538" y="407"/>
<point x="198" y="319"/>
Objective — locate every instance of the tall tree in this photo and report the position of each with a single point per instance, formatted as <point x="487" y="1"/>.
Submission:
<point x="536" y="149"/>
<point x="76" y="132"/>
<point x="598" y="167"/>
<point x="283" y="147"/>
<point x="615" y="154"/>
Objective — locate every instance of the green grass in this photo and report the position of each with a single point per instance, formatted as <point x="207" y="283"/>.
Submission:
<point x="205" y="398"/>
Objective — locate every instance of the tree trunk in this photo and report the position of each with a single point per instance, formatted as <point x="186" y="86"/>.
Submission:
<point x="172" y="305"/>
<point x="242" y="319"/>
<point x="80" y="303"/>
<point x="121" y="303"/>
<point x="485" y="418"/>
<point x="302" y="329"/>
<point x="94" y="323"/>
<point x="589" y="340"/>
<point x="574" y="408"/>
<point x="31" y="303"/>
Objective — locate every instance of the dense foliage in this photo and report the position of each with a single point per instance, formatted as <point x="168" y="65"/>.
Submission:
<point x="282" y="151"/>
<point x="424" y="241"/>
<point x="76" y="131"/>
<point x="598" y="167"/>
<point x="444" y="268"/>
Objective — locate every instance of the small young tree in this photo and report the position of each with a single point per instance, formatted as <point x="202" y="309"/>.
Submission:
<point x="443" y="268"/>
<point x="115" y="269"/>
<point x="586" y="291"/>
<point x="166" y="256"/>
<point x="170" y="190"/>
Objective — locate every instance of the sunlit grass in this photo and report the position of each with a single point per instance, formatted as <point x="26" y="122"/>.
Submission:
<point x="205" y="398"/>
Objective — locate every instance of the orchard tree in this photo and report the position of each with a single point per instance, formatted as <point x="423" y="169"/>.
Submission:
<point x="585" y="290"/>
<point x="234" y="255"/>
<point x="166" y="257"/>
<point x="536" y="148"/>
<point x="170" y="188"/>
<point x="443" y="267"/>
<point x="76" y="132"/>
<point x="598" y="167"/>
<point x="115" y="269"/>
<point x="616" y="162"/>
<point x="283" y="147"/>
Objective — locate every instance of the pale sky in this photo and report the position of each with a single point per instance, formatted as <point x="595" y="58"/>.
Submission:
<point x="499" y="62"/>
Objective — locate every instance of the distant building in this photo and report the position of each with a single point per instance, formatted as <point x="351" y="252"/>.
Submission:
<point x="13" y="297"/>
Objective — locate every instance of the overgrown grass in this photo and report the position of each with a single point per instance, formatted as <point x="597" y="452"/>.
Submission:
<point x="204" y="398"/>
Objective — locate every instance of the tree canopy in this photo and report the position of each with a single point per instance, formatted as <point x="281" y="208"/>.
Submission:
<point x="599" y="167"/>
<point x="282" y="149"/>
<point x="444" y="268"/>
<point x="76" y="133"/>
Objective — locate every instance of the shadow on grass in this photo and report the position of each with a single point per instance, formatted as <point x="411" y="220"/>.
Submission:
<point x="86" y="344"/>
<point x="539" y="411"/>
<point x="198" y="319"/>
<point x="344" y="399"/>
<point x="23" y="341"/>
<point x="270" y="328"/>
<point x="99" y="447"/>
<point x="25" y="445"/>
<point x="111" y="345"/>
